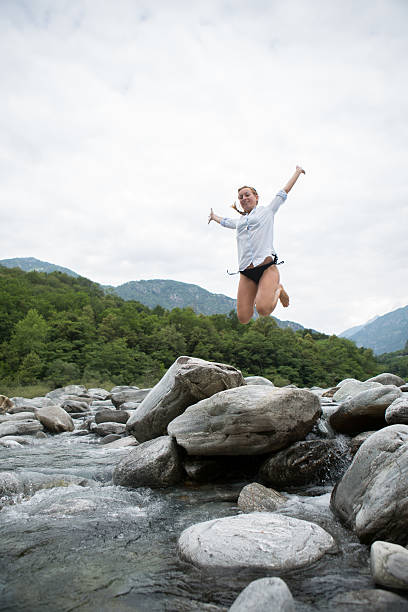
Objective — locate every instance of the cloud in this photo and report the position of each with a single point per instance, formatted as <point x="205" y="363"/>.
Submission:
<point x="125" y="122"/>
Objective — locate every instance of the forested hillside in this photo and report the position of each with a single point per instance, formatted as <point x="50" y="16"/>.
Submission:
<point x="61" y="329"/>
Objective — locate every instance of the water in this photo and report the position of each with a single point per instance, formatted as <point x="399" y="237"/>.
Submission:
<point x="102" y="547"/>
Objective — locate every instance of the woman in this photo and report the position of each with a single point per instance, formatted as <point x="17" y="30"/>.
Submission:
<point x="259" y="283"/>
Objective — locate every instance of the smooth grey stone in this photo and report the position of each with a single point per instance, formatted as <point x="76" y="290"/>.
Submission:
<point x="130" y="406"/>
<point x="14" y="428"/>
<point x="5" y="404"/>
<point x="111" y="416"/>
<point x="389" y="565"/>
<point x="257" y="498"/>
<point x="104" y="429"/>
<point x="368" y="600"/>
<point x="155" y="463"/>
<point x="98" y="404"/>
<point x="370" y="496"/>
<point x="111" y="438"/>
<point x="7" y="442"/>
<point x="259" y="540"/>
<point x="98" y="394"/>
<point x="131" y="395"/>
<point x="258" y="380"/>
<point x="122" y="442"/>
<point x="358" y="440"/>
<point x="18" y="416"/>
<point x="55" y="419"/>
<point x="22" y="440"/>
<point x="351" y="388"/>
<point x="364" y="411"/>
<point x="397" y="412"/>
<point x="305" y="462"/>
<point x="388" y="379"/>
<point x="249" y="420"/>
<point x="77" y="390"/>
<point x="72" y="406"/>
<point x="404" y="387"/>
<point x="264" y="594"/>
<point x="186" y="382"/>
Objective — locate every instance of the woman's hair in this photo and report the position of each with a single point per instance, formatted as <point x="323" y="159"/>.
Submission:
<point x="235" y="207"/>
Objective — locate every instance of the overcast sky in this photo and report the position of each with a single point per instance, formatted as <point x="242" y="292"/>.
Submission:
<point x="123" y="122"/>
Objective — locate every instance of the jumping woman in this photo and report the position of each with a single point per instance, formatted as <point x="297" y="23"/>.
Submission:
<point x="259" y="283"/>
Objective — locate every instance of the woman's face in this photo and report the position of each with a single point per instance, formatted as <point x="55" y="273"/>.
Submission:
<point x="247" y="199"/>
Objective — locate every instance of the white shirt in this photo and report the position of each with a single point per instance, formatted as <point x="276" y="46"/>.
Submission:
<point x="255" y="232"/>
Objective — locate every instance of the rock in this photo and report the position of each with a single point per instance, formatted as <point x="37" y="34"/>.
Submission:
<point x="306" y="462"/>
<point x="98" y="394"/>
<point x="257" y="541"/>
<point x="55" y="419"/>
<point x="249" y="420"/>
<point x="258" y="380"/>
<point x="122" y="443"/>
<point x="388" y="379"/>
<point x="257" y="498"/>
<point x="186" y="382"/>
<point x="155" y="463"/>
<point x="28" y="483"/>
<point x="111" y="416"/>
<point x="330" y="392"/>
<point x="104" y="429"/>
<point x="129" y="395"/>
<point x="371" y="497"/>
<point x="22" y="404"/>
<point x="389" y="565"/>
<point x="404" y="388"/>
<point x="372" y="600"/>
<point x="397" y="412"/>
<point x="56" y="394"/>
<point x="73" y="406"/>
<point x="98" y="404"/>
<point x="202" y="470"/>
<point x="130" y="407"/>
<point x="358" y="440"/>
<point x="351" y="387"/>
<point x="8" y="443"/>
<point x="122" y="388"/>
<point x="364" y="411"/>
<point x="18" y="416"/>
<point x="111" y="438"/>
<point x="5" y="404"/>
<point x="264" y="594"/>
<point x="13" y="428"/>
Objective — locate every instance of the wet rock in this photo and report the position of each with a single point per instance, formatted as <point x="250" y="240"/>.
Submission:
<point x="389" y="565"/>
<point x="55" y="419"/>
<point x="388" y="379"/>
<point x="259" y="541"/>
<point x="257" y="498"/>
<point x="249" y="420"/>
<point x="104" y="429"/>
<point x="371" y="497"/>
<point x="203" y="470"/>
<point x="56" y="394"/>
<point x="155" y="463"/>
<point x="73" y="406"/>
<point x="111" y="416"/>
<point x="404" y="387"/>
<point x="358" y="440"/>
<point x="5" y="404"/>
<point x="372" y="600"/>
<point x="258" y="380"/>
<point x="98" y="394"/>
<point x="122" y="443"/>
<point x="186" y="382"/>
<point x="98" y="404"/>
<point x="18" y="416"/>
<point x="14" y="428"/>
<point x="264" y="594"/>
<point x="22" y="404"/>
<point x="364" y="411"/>
<point x="128" y="395"/>
<point x="27" y="483"/>
<point x="352" y="387"/>
<point x="111" y="438"/>
<point x="397" y="412"/>
<point x="130" y="407"/>
<point x="306" y="462"/>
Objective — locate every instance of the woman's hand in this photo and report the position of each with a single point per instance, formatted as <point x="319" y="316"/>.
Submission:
<point x="300" y="170"/>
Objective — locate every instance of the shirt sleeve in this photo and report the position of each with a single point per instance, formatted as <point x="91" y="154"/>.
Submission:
<point x="230" y="223"/>
<point x="277" y="201"/>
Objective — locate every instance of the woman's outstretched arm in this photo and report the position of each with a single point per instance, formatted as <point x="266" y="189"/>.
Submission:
<point x="213" y="217"/>
<point x="293" y="179"/>
<point x="224" y="221"/>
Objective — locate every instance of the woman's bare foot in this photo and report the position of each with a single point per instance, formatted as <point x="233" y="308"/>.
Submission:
<point x="283" y="297"/>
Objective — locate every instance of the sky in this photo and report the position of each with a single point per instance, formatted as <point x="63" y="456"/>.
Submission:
<point x="124" y="121"/>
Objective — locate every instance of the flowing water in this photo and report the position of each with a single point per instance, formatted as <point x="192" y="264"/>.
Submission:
<point x="100" y="547"/>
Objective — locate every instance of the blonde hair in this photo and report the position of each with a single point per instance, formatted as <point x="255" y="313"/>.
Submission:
<point x="235" y="207"/>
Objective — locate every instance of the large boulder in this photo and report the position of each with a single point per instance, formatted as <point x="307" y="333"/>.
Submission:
<point x="55" y="419"/>
<point x="306" y="462"/>
<point x="260" y="540"/>
<point x="155" y="463"/>
<point x="111" y="416"/>
<point x="186" y="382"/>
<point x="388" y="379"/>
<point x="264" y="594"/>
<point x="372" y="496"/>
<point x="397" y="412"/>
<point x="249" y="420"/>
<point x="74" y="406"/>
<point x="364" y="411"/>
<point x="350" y="388"/>
<point x="257" y="498"/>
<point x="389" y="565"/>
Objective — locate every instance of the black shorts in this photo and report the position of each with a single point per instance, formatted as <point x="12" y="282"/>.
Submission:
<point x="255" y="273"/>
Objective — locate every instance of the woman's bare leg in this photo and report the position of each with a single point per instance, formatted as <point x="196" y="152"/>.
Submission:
<point x="247" y="289"/>
<point x="269" y="292"/>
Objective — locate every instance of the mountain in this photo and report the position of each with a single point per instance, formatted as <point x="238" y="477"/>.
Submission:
<point x="155" y="292"/>
<point x="385" y="334"/>
<point x="28" y="264"/>
<point x="348" y="333"/>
